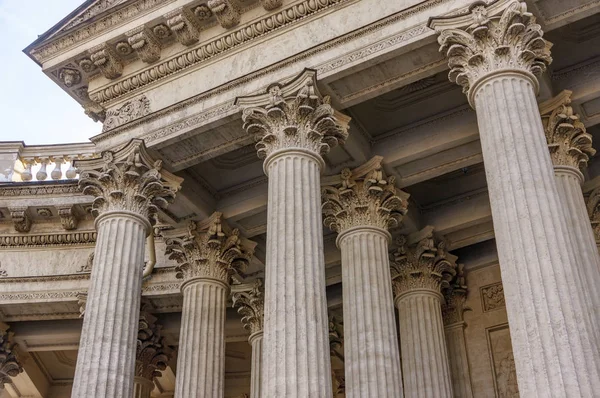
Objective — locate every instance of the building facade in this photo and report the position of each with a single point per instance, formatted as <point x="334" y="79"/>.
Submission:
<point x="310" y="198"/>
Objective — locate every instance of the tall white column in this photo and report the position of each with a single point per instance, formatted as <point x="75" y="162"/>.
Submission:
<point x="207" y="254"/>
<point x="250" y="305"/>
<point x="129" y="186"/>
<point x="494" y="54"/>
<point x="419" y="269"/>
<point x="294" y="126"/>
<point x="453" y="310"/>
<point x="361" y="205"/>
<point x="570" y="149"/>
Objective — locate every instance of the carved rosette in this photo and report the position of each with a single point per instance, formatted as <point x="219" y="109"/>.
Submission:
<point x="455" y="296"/>
<point x="421" y="264"/>
<point x="152" y="353"/>
<point x="499" y="37"/>
<point x="295" y="116"/>
<point x="226" y="12"/>
<point x="127" y="180"/>
<point x="364" y="197"/>
<point x="569" y="142"/>
<point x="593" y="207"/>
<point x="9" y="365"/>
<point x="209" y="250"/>
<point x="250" y="305"/>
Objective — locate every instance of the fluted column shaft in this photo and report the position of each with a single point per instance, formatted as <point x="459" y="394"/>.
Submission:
<point x="106" y="359"/>
<point x="554" y="351"/>
<point x="256" y="341"/>
<point x="201" y="358"/>
<point x="458" y="361"/>
<point x="424" y="356"/>
<point x="142" y="387"/>
<point x="296" y="346"/>
<point x="568" y="182"/>
<point x="371" y="355"/>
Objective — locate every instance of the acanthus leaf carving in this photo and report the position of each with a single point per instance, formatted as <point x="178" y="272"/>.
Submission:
<point x="421" y="261"/>
<point x="227" y="13"/>
<point x="130" y="110"/>
<point x="107" y="60"/>
<point x="9" y="364"/>
<point x="183" y="24"/>
<point x="250" y="305"/>
<point x="68" y="218"/>
<point x="20" y="218"/>
<point x="292" y="115"/>
<point x="144" y="43"/>
<point x="569" y="142"/>
<point x="509" y="40"/>
<point x="364" y="196"/>
<point x="129" y="180"/>
<point x="209" y="250"/>
<point x="455" y="297"/>
<point x="152" y="353"/>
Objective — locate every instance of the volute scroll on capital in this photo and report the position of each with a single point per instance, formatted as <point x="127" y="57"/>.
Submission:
<point x="209" y="250"/>
<point x="500" y="37"/>
<point x="365" y="196"/>
<point x="250" y="305"/>
<point x="127" y="180"/>
<point x="421" y="261"/>
<point x="293" y="115"/>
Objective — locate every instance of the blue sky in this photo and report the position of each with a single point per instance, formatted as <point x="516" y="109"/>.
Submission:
<point x="32" y="107"/>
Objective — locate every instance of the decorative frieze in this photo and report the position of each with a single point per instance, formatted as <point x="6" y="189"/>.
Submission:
<point x="107" y="60"/>
<point x="227" y="13"/>
<point x="569" y="142"/>
<point x="183" y="24"/>
<point x="365" y="196"/>
<point x="9" y="364"/>
<point x="60" y="239"/>
<point x="128" y="179"/>
<point x="421" y="263"/>
<point x="209" y="250"/>
<point x="130" y="110"/>
<point x="492" y="297"/>
<point x="510" y="40"/>
<point x="144" y="43"/>
<point x="250" y="305"/>
<point x="20" y="218"/>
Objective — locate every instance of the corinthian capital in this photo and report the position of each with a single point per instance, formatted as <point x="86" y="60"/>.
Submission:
<point x="421" y="262"/>
<point x="455" y="296"/>
<point x="129" y="180"/>
<point x="293" y="116"/>
<point x="9" y="365"/>
<point x="500" y="37"/>
<point x="152" y="353"/>
<point x="362" y="197"/>
<point x="210" y="250"/>
<point x="250" y="305"/>
<point x="568" y="141"/>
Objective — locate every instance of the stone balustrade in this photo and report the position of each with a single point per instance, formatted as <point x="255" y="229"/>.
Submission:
<point x="22" y="163"/>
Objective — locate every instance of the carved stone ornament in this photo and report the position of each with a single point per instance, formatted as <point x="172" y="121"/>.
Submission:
<point x="82" y="302"/>
<point x="68" y="218"/>
<point x="492" y="297"/>
<point x="569" y="142"/>
<point x="69" y="76"/>
<point x="105" y="58"/>
<point x="9" y="365"/>
<point x="421" y="261"/>
<point x="226" y="12"/>
<point x="500" y="37"/>
<point x="144" y="43"/>
<point x="250" y="305"/>
<point x="152" y="353"/>
<point x="202" y="12"/>
<point x="364" y="196"/>
<point x="209" y="250"/>
<point x="593" y="207"/>
<point x="455" y="296"/>
<point x="161" y="31"/>
<point x="128" y="179"/>
<point x="127" y="112"/>
<point x="292" y="115"/>
<point x="336" y="337"/>
<point x="183" y="24"/>
<point x="20" y="218"/>
<point x="88" y="264"/>
<point x="271" y="4"/>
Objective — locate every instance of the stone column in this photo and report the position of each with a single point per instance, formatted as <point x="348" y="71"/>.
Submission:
<point x="453" y="310"/>
<point x="128" y="187"/>
<point x="421" y="266"/>
<point x="494" y="53"/>
<point x="570" y="149"/>
<point x="361" y="205"/>
<point x="152" y="354"/>
<point x="250" y="305"/>
<point x="9" y="365"/>
<point x="294" y="126"/>
<point x="207" y="255"/>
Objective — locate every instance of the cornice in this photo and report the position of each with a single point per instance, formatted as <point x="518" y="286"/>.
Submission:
<point x="74" y="238"/>
<point x="40" y="188"/>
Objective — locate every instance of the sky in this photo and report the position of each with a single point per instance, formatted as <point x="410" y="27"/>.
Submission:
<point x="32" y="107"/>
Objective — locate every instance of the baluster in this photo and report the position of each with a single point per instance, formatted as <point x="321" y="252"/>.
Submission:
<point x="41" y="175"/>
<point x="71" y="171"/>
<point x="56" y="173"/>
<point x="26" y="174"/>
